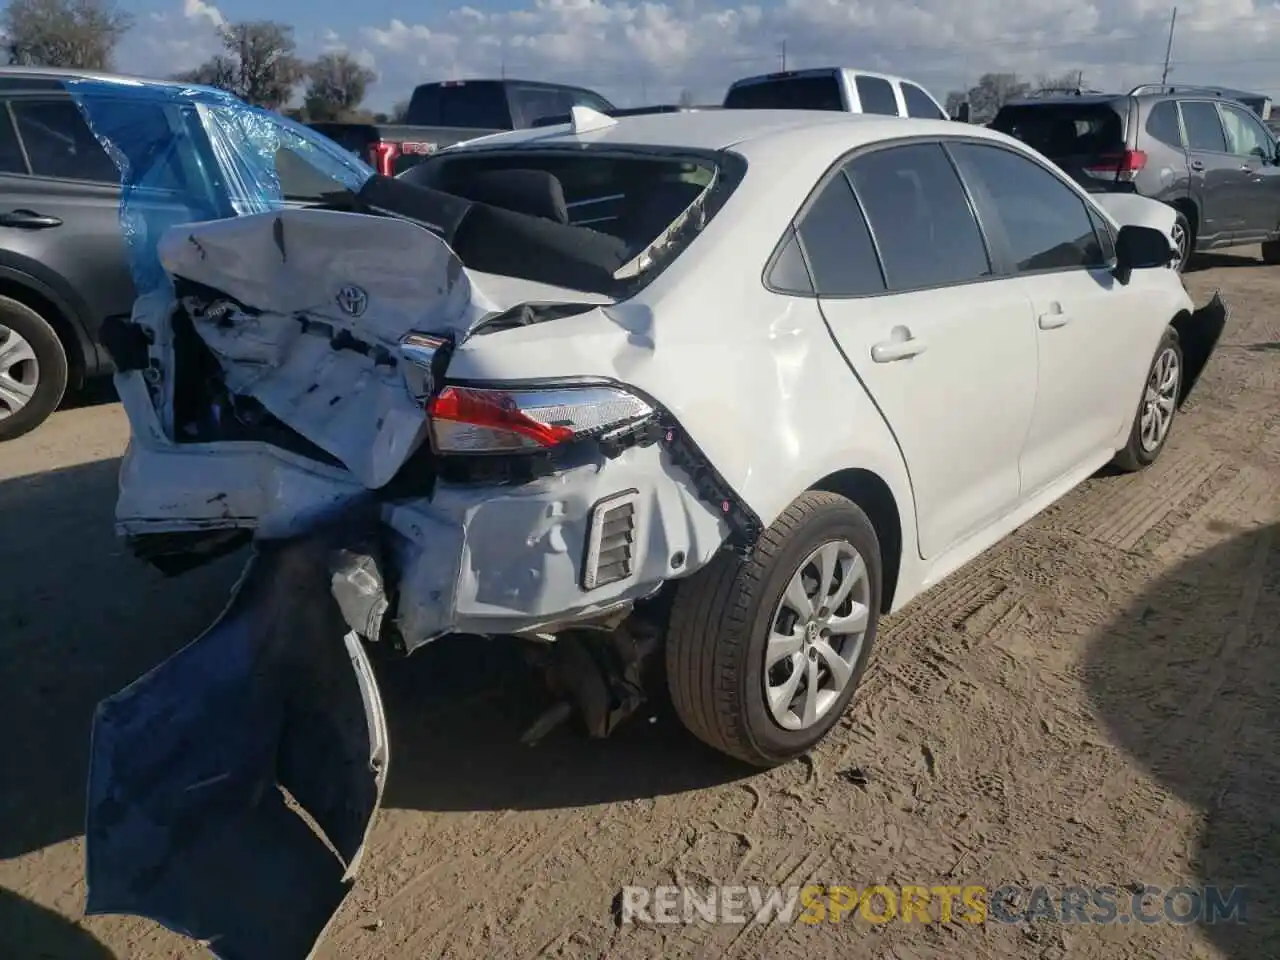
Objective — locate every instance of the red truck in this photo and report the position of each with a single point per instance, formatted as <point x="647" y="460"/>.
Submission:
<point x="450" y="111"/>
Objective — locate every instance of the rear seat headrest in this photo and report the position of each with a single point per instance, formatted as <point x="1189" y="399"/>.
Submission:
<point x="536" y="193"/>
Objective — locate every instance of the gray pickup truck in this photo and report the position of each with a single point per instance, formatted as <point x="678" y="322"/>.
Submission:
<point x="449" y="111"/>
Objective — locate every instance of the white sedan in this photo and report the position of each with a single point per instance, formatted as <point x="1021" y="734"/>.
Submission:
<point x="728" y="385"/>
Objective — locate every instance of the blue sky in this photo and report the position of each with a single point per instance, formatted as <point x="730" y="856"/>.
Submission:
<point x="637" y="52"/>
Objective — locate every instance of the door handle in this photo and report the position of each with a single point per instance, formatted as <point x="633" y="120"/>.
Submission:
<point x="891" y="350"/>
<point x="1054" y="318"/>
<point x="1197" y="165"/>
<point x="28" y="220"/>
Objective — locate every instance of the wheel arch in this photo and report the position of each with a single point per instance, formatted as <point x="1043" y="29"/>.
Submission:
<point x="1187" y="207"/>
<point x="45" y="302"/>
<point x="870" y="492"/>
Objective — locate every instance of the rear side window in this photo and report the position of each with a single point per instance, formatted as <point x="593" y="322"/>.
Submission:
<point x="876" y="95"/>
<point x="920" y="217"/>
<point x="478" y="106"/>
<point x="1204" y="129"/>
<point x="1047" y="224"/>
<point x="1163" y="124"/>
<point x="59" y="142"/>
<point x="920" y="104"/>
<point x="787" y="93"/>
<point x="1064" y="129"/>
<point x="11" y="159"/>
<point x="838" y="244"/>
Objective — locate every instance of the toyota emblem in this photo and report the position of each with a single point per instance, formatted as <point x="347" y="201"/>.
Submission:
<point x="352" y="300"/>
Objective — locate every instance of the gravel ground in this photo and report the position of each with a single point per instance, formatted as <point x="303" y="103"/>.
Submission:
<point x="1093" y="701"/>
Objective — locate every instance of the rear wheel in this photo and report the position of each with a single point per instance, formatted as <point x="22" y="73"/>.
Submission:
<point x="1183" y="241"/>
<point x="33" y="369"/>
<point x="764" y="654"/>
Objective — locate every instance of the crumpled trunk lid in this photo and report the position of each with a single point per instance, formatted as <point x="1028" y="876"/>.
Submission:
<point x="316" y="305"/>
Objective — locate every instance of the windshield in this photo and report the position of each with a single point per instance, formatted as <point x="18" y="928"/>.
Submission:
<point x="236" y="159"/>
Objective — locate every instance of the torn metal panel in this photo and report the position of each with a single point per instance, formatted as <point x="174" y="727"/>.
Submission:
<point x="198" y="769"/>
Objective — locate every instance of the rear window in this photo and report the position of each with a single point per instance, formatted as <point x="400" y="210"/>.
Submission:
<point x="591" y="220"/>
<point x="787" y="93"/>
<point x="1064" y="129"/>
<point x="476" y="105"/>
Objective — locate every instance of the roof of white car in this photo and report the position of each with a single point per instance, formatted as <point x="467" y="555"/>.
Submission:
<point x="720" y="129"/>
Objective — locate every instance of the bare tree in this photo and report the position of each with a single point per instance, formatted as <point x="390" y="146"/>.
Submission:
<point x="686" y="97"/>
<point x="64" y="33"/>
<point x="399" y="111"/>
<point x="1070" y="81"/>
<point x="336" y="86"/>
<point x="258" y="63"/>
<point x="992" y="91"/>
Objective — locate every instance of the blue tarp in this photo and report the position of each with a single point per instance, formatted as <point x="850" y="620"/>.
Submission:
<point x="188" y="153"/>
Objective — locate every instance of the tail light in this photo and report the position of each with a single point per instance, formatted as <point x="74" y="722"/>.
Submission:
<point x="1122" y="167"/>
<point x="383" y="156"/>
<point x="481" y="420"/>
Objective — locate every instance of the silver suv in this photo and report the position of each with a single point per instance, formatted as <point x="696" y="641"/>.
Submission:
<point x="1202" y="151"/>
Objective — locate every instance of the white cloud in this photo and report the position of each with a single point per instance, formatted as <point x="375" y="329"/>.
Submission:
<point x="644" y="51"/>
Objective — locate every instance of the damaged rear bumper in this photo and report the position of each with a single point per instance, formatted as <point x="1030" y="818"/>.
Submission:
<point x="470" y="559"/>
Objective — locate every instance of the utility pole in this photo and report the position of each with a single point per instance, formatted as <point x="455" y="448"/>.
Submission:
<point x="782" y="55"/>
<point x="1168" y="50"/>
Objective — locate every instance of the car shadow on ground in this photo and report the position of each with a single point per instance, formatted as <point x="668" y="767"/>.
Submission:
<point x="456" y="711"/>
<point x="80" y="618"/>
<point x="28" y="930"/>
<point x="1188" y="682"/>
<point x="96" y="393"/>
<point x="1214" y="261"/>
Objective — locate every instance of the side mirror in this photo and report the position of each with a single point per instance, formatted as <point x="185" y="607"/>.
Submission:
<point x="962" y="113"/>
<point x="1141" y="248"/>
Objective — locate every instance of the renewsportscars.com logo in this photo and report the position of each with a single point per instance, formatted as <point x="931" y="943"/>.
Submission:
<point x="880" y="904"/>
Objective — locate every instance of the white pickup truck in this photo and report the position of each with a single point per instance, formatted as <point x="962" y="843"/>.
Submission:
<point x="842" y="89"/>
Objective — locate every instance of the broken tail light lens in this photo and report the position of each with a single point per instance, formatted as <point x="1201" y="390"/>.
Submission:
<point x="1122" y="167"/>
<point x="468" y="420"/>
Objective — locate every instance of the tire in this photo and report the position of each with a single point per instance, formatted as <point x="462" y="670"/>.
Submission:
<point x="721" y="619"/>
<point x="42" y="365"/>
<point x="1139" y="453"/>
<point x="1271" y="251"/>
<point x="1182" y="227"/>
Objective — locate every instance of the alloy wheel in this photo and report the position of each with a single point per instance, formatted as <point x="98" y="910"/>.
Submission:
<point x="816" y="635"/>
<point x="1160" y="399"/>
<point x="19" y="372"/>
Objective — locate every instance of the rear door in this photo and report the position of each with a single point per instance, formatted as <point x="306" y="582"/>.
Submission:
<point x="1059" y="250"/>
<point x="59" y="205"/>
<point x="1216" y="175"/>
<point x="944" y="347"/>
<point x="1255" y="201"/>
<point x="1083" y="138"/>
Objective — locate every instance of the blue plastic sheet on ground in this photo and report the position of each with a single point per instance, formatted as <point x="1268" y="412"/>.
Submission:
<point x="188" y="153"/>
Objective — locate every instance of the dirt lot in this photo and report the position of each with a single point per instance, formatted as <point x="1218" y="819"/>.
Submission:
<point x="1094" y="701"/>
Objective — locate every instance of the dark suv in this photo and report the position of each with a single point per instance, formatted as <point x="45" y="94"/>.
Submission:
<point x="1202" y="151"/>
